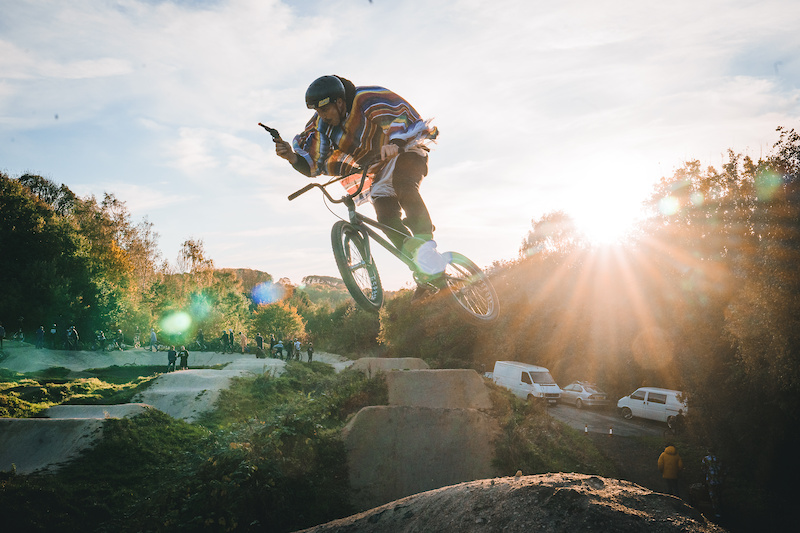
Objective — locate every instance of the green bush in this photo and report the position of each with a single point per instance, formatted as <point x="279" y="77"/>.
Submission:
<point x="532" y="441"/>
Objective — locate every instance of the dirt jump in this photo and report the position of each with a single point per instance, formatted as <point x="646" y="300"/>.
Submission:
<point x="61" y="432"/>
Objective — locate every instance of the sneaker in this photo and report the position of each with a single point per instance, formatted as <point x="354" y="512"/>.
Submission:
<point x="429" y="260"/>
<point x="411" y="245"/>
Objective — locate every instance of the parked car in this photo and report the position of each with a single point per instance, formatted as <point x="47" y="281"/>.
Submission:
<point x="526" y="381"/>
<point x="580" y="393"/>
<point x="664" y="405"/>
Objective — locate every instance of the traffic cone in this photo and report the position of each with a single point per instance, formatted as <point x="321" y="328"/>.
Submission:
<point x="610" y="431"/>
<point x="586" y="429"/>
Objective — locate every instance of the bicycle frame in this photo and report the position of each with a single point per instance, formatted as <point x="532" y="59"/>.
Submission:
<point x="363" y="222"/>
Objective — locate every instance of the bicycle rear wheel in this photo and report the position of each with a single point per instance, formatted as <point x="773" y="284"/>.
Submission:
<point x="358" y="270"/>
<point x="470" y="289"/>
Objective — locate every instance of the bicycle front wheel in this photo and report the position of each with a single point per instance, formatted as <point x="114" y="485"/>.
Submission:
<point x="358" y="270"/>
<point x="470" y="289"/>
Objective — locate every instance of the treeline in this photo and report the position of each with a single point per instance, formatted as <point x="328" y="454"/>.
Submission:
<point x="67" y="260"/>
<point x="703" y="298"/>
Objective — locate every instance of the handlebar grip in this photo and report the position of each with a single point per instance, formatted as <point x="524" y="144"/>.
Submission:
<point x="304" y="190"/>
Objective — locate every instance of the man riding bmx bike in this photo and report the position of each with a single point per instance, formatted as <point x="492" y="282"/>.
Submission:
<point x="355" y="126"/>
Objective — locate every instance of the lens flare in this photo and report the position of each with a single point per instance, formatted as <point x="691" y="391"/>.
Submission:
<point x="175" y="323"/>
<point x="199" y="308"/>
<point x="267" y="293"/>
<point x="767" y="184"/>
<point x="669" y="205"/>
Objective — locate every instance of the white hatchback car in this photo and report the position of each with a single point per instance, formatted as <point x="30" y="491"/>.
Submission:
<point x="662" y="405"/>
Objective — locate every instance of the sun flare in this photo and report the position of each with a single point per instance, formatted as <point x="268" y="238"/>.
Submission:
<point x="605" y="221"/>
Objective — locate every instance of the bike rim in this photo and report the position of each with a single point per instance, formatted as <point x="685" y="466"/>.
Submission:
<point x="469" y="289"/>
<point x="358" y="266"/>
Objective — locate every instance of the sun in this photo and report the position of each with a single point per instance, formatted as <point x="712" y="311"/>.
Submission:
<point x="606" y="221"/>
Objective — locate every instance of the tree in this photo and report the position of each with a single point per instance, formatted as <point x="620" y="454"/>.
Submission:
<point x="43" y="264"/>
<point x="553" y="233"/>
<point x="279" y="319"/>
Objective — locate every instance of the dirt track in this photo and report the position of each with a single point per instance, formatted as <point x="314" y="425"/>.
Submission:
<point x="42" y="443"/>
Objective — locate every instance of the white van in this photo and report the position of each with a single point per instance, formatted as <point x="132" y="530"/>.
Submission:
<point x="526" y="381"/>
<point x="653" y="403"/>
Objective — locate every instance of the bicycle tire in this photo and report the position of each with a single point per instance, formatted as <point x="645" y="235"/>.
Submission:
<point x="471" y="293"/>
<point x="358" y="270"/>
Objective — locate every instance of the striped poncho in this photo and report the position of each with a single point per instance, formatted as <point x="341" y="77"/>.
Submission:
<point x="376" y="117"/>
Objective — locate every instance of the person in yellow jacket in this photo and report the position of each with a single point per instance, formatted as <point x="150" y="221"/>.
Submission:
<point x="670" y="465"/>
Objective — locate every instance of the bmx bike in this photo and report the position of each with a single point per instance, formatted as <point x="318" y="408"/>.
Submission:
<point x="462" y="284"/>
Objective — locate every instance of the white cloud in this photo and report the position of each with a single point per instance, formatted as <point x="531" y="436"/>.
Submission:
<point x="539" y="103"/>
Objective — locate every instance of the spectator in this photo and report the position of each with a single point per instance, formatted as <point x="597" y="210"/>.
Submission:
<point x="40" y="338"/>
<point x="172" y="356"/>
<point x="297" y="349"/>
<point x="231" y="342"/>
<point x="153" y="340"/>
<point x="2" y="335"/>
<point x="259" y="341"/>
<point x="243" y="341"/>
<point x="224" y="340"/>
<point x="119" y="340"/>
<point x="670" y="465"/>
<point x="101" y="340"/>
<point x="65" y="344"/>
<point x="73" y="338"/>
<point x="184" y="355"/>
<point x="54" y="337"/>
<point x="289" y="347"/>
<point x="713" y="473"/>
<point x="310" y="351"/>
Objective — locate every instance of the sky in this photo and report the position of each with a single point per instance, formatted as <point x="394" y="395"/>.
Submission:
<point x="577" y="105"/>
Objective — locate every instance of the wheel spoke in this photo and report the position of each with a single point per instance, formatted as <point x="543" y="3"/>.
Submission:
<point x="470" y="289"/>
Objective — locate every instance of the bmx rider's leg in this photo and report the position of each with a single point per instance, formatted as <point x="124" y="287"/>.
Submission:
<point x="387" y="210"/>
<point x="408" y="173"/>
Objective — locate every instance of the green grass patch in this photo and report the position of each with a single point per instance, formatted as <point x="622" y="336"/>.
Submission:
<point x="24" y="395"/>
<point x="535" y="443"/>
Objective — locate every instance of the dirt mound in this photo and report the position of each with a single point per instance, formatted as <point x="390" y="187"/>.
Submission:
<point x="94" y="411"/>
<point x="394" y="451"/>
<point x="31" y="444"/>
<point x="453" y="389"/>
<point x="547" y="502"/>
<point x="374" y="365"/>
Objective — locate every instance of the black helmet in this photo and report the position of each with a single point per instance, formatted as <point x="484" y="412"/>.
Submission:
<point x="323" y="91"/>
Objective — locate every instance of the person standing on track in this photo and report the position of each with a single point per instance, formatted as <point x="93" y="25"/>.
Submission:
<point x="355" y="126"/>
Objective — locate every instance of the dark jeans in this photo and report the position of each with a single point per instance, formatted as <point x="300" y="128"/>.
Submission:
<point x="672" y="487"/>
<point x="408" y="173"/>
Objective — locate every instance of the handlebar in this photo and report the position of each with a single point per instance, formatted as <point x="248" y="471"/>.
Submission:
<point x="321" y="186"/>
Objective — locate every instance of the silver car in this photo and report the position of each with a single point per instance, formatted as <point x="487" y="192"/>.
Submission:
<point x="582" y="393"/>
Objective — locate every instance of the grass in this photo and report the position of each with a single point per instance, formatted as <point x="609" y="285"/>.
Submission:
<point x="25" y="395"/>
<point x="268" y="459"/>
<point x="535" y="443"/>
